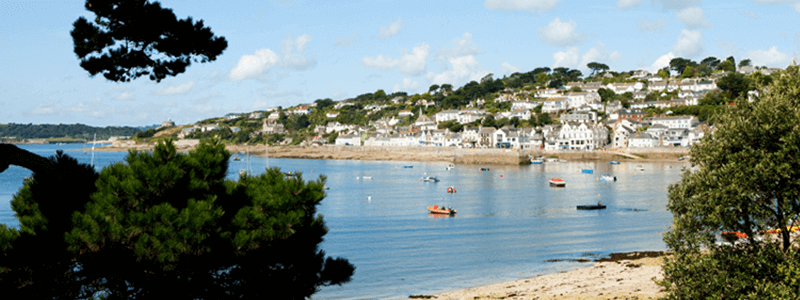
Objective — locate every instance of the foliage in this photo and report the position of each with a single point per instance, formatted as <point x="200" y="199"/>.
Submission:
<point x="129" y="39"/>
<point x="747" y="181"/>
<point x="735" y="84"/>
<point x="43" y="131"/>
<point x="168" y="224"/>
<point x="597" y="68"/>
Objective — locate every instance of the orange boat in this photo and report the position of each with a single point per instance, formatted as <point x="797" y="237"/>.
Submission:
<point x="451" y="189"/>
<point x="441" y="210"/>
<point x="557" y="182"/>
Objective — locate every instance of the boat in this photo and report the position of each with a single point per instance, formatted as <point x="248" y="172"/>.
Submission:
<point x="451" y="190"/>
<point x="483" y="169"/>
<point x="449" y="167"/>
<point x="430" y="179"/>
<point x="536" y="161"/>
<point x="408" y="166"/>
<point x="608" y="177"/>
<point x="242" y="172"/>
<point x="287" y="174"/>
<point x="587" y="171"/>
<point x="592" y="206"/>
<point x="557" y="182"/>
<point x="552" y="159"/>
<point x="614" y="162"/>
<point x="639" y="168"/>
<point x="684" y="157"/>
<point x="236" y="158"/>
<point x="367" y="177"/>
<point x="441" y="210"/>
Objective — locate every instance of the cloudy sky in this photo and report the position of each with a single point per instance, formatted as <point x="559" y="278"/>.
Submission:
<point x="284" y="52"/>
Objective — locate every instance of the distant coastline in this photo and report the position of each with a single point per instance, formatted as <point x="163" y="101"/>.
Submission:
<point x="443" y="154"/>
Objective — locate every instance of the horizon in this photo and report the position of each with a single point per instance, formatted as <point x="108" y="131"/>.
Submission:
<point x="301" y="51"/>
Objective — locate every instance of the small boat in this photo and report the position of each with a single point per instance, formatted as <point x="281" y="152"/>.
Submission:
<point x="607" y="177"/>
<point x="449" y="167"/>
<point x="408" y="166"/>
<point x="430" y="179"/>
<point x="557" y="182"/>
<point x="236" y="158"/>
<point x="287" y="174"/>
<point x="483" y="169"/>
<point x="367" y="177"/>
<point x="614" y="162"/>
<point x="552" y="159"/>
<point x="441" y="210"/>
<point x="683" y="157"/>
<point x="536" y="161"/>
<point x="326" y="188"/>
<point x="592" y="206"/>
<point x="242" y="172"/>
<point x="639" y="168"/>
<point x="587" y="171"/>
<point x="451" y="190"/>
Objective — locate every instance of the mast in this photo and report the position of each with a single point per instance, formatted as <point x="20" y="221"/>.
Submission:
<point x="93" y="142"/>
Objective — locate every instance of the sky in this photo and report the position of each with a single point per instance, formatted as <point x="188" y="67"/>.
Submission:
<point x="284" y="52"/>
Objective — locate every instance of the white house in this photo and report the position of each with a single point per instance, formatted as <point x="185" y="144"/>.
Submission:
<point x="555" y="104"/>
<point x="302" y="110"/>
<point x="446" y="115"/>
<point x="405" y="113"/>
<point x="332" y="115"/>
<point x="642" y="140"/>
<point x="348" y="140"/>
<point x="685" y="122"/>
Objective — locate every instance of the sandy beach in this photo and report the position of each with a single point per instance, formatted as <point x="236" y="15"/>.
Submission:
<point x="443" y="154"/>
<point x="624" y="276"/>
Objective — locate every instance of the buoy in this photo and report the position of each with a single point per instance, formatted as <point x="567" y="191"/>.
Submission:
<point x="501" y="175"/>
<point x="369" y="197"/>
<point x="357" y="178"/>
<point x="598" y="195"/>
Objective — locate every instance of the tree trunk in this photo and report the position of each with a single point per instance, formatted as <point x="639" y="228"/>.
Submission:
<point x="13" y="155"/>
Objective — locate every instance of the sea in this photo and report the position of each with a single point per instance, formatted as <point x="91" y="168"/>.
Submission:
<point x="510" y="224"/>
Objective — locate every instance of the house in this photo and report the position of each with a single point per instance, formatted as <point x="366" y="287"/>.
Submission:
<point x="466" y="117"/>
<point x="746" y="70"/>
<point x="677" y="137"/>
<point x="166" y="124"/>
<point x="486" y="137"/>
<point x="453" y="140"/>
<point x="470" y="137"/>
<point x="642" y="140"/>
<point x="636" y="115"/>
<point x="348" y="140"/>
<point x="207" y="127"/>
<point x="270" y="127"/>
<point x="614" y="106"/>
<point x="685" y="122"/>
<point x="660" y="86"/>
<point x="341" y="104"/>
<point x="657" y="130"/>
<point x="405" y="113"/>
<point x="446" y="115"/>
<point x="424" y="122"/>
<point x="588" y="117"/>
<point x="232" y="116"/>
<point x="621" y="134"/>
<point x="525" y="105"/>
<point x="555" y="104"/>
<point x="582" y="136"/>
<point x="639" y="95"/>
<point x="506" y="137"/>
<point x="522" y="114"/>
<point x="332" y="115"/>
<point x="625" y="87"/>
<point x="256" y="115"/>
<point x="302" y="110"/>
<point x="186" y="132"/>
<point x="275" y="115"/>
<point x="577" y="99"/>
<point x="235" y="129"/>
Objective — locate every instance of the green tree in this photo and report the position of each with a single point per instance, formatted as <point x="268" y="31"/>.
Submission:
<point x="747" y="180"/>
<point x="129" y="39"/>
<point x="597" y="68"/>
<point x="745" y="62"/>
<point x="735" y="84"/>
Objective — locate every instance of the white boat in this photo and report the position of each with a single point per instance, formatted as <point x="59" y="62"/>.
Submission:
<point x="367" y="177"/>
<point x="449" y="167"/>
<point x="537" y="161"/>
<point x="430" y="179"/>
<point x="607" y="177"/>
<point x="552" y="159"/>
<point x="639" y="168"/>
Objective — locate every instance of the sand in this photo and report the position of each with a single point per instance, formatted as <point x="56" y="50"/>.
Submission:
<point x="615" y="279"/>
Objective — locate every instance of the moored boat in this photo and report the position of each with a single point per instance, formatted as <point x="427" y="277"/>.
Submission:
<point x="608" y="177"/>
<point x="236" y="158"/>
<point x="591" y="206"/>
<point x="430" y="179"/>
<point x="587" y="171"/>
<point x="614" y="162"/>
<point x="451" y="189"/>
<point x="639" y="168"/>
<point x="441" y="210"/>
<point x="557" y="182"/>
<point x="483" y="169"/>
<point x="449" y="167"/>
<point x="536" y="161"/>
<point x="408" y="166"/>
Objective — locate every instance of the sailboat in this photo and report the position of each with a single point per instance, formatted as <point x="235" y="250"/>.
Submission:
<point x="93" y="142"/>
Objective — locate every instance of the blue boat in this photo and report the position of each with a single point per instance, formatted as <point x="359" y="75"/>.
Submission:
<point x="537" y="162"/>
<point x="408" y="166"/>
<point x="587" y="171"/>
<point x="614" y="162"/>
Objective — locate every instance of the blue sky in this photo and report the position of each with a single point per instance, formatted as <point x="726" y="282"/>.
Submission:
<point x="282" y="53"/>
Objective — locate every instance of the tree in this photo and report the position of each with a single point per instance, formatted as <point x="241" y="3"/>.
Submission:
<point x="597" y="68"/>
<point x="744" y="63"/>
<point x="489" y="121"/>
<point x="433" y="88"/>
<point x="129" y="39"/>
<point x="746" y="180"/>
<point x="735" y="84"/>
<point x="679" y="64"/>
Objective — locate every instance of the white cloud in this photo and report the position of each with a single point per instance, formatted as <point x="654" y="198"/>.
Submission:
<point x="409" y="63"/>
<point x="391" y="30"/>
<point x="508" y="68"/>
<point x="560" y="33"/>
<point x="293" y="56"/>
<point x="461" y="47"/>
<point x="797" y="7"/>
<point x="677" y="4"/>
<point x="125" y="96"/>
<point x="463" y="69"/>
<point x="345" y="41"/>
<point x="770" y="58"/>
<point x="567" y="58"/>
<point x="251" y="66"/>
<point x="597" y="54"/>
<point x="175" y="90"/>
<point x="655" y="26"/>
<point x="693" y="17"/>
<point x="408" y="86"/>
<point x="690" y="43"/>
<point x="625" y="4"/>
<point x="338" y="94"/>
<point x="296" y="59"/>
<point x="533" y="6"/>
<point x="661" y="62"/>
<point x="750" y="14"/>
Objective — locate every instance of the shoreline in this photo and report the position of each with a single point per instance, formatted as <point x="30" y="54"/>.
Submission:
<point x="622" y="276"/>
<point x="430" y="154"/>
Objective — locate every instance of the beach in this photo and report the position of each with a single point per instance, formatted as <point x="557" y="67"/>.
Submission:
<point x="443" y="154"/>
<point x="624" y="276"/>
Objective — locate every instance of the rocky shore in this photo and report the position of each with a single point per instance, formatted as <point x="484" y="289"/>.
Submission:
<point x="444" y="154"/>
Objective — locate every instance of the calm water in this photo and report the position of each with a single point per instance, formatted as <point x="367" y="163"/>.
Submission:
<point x="509" y="220"/>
